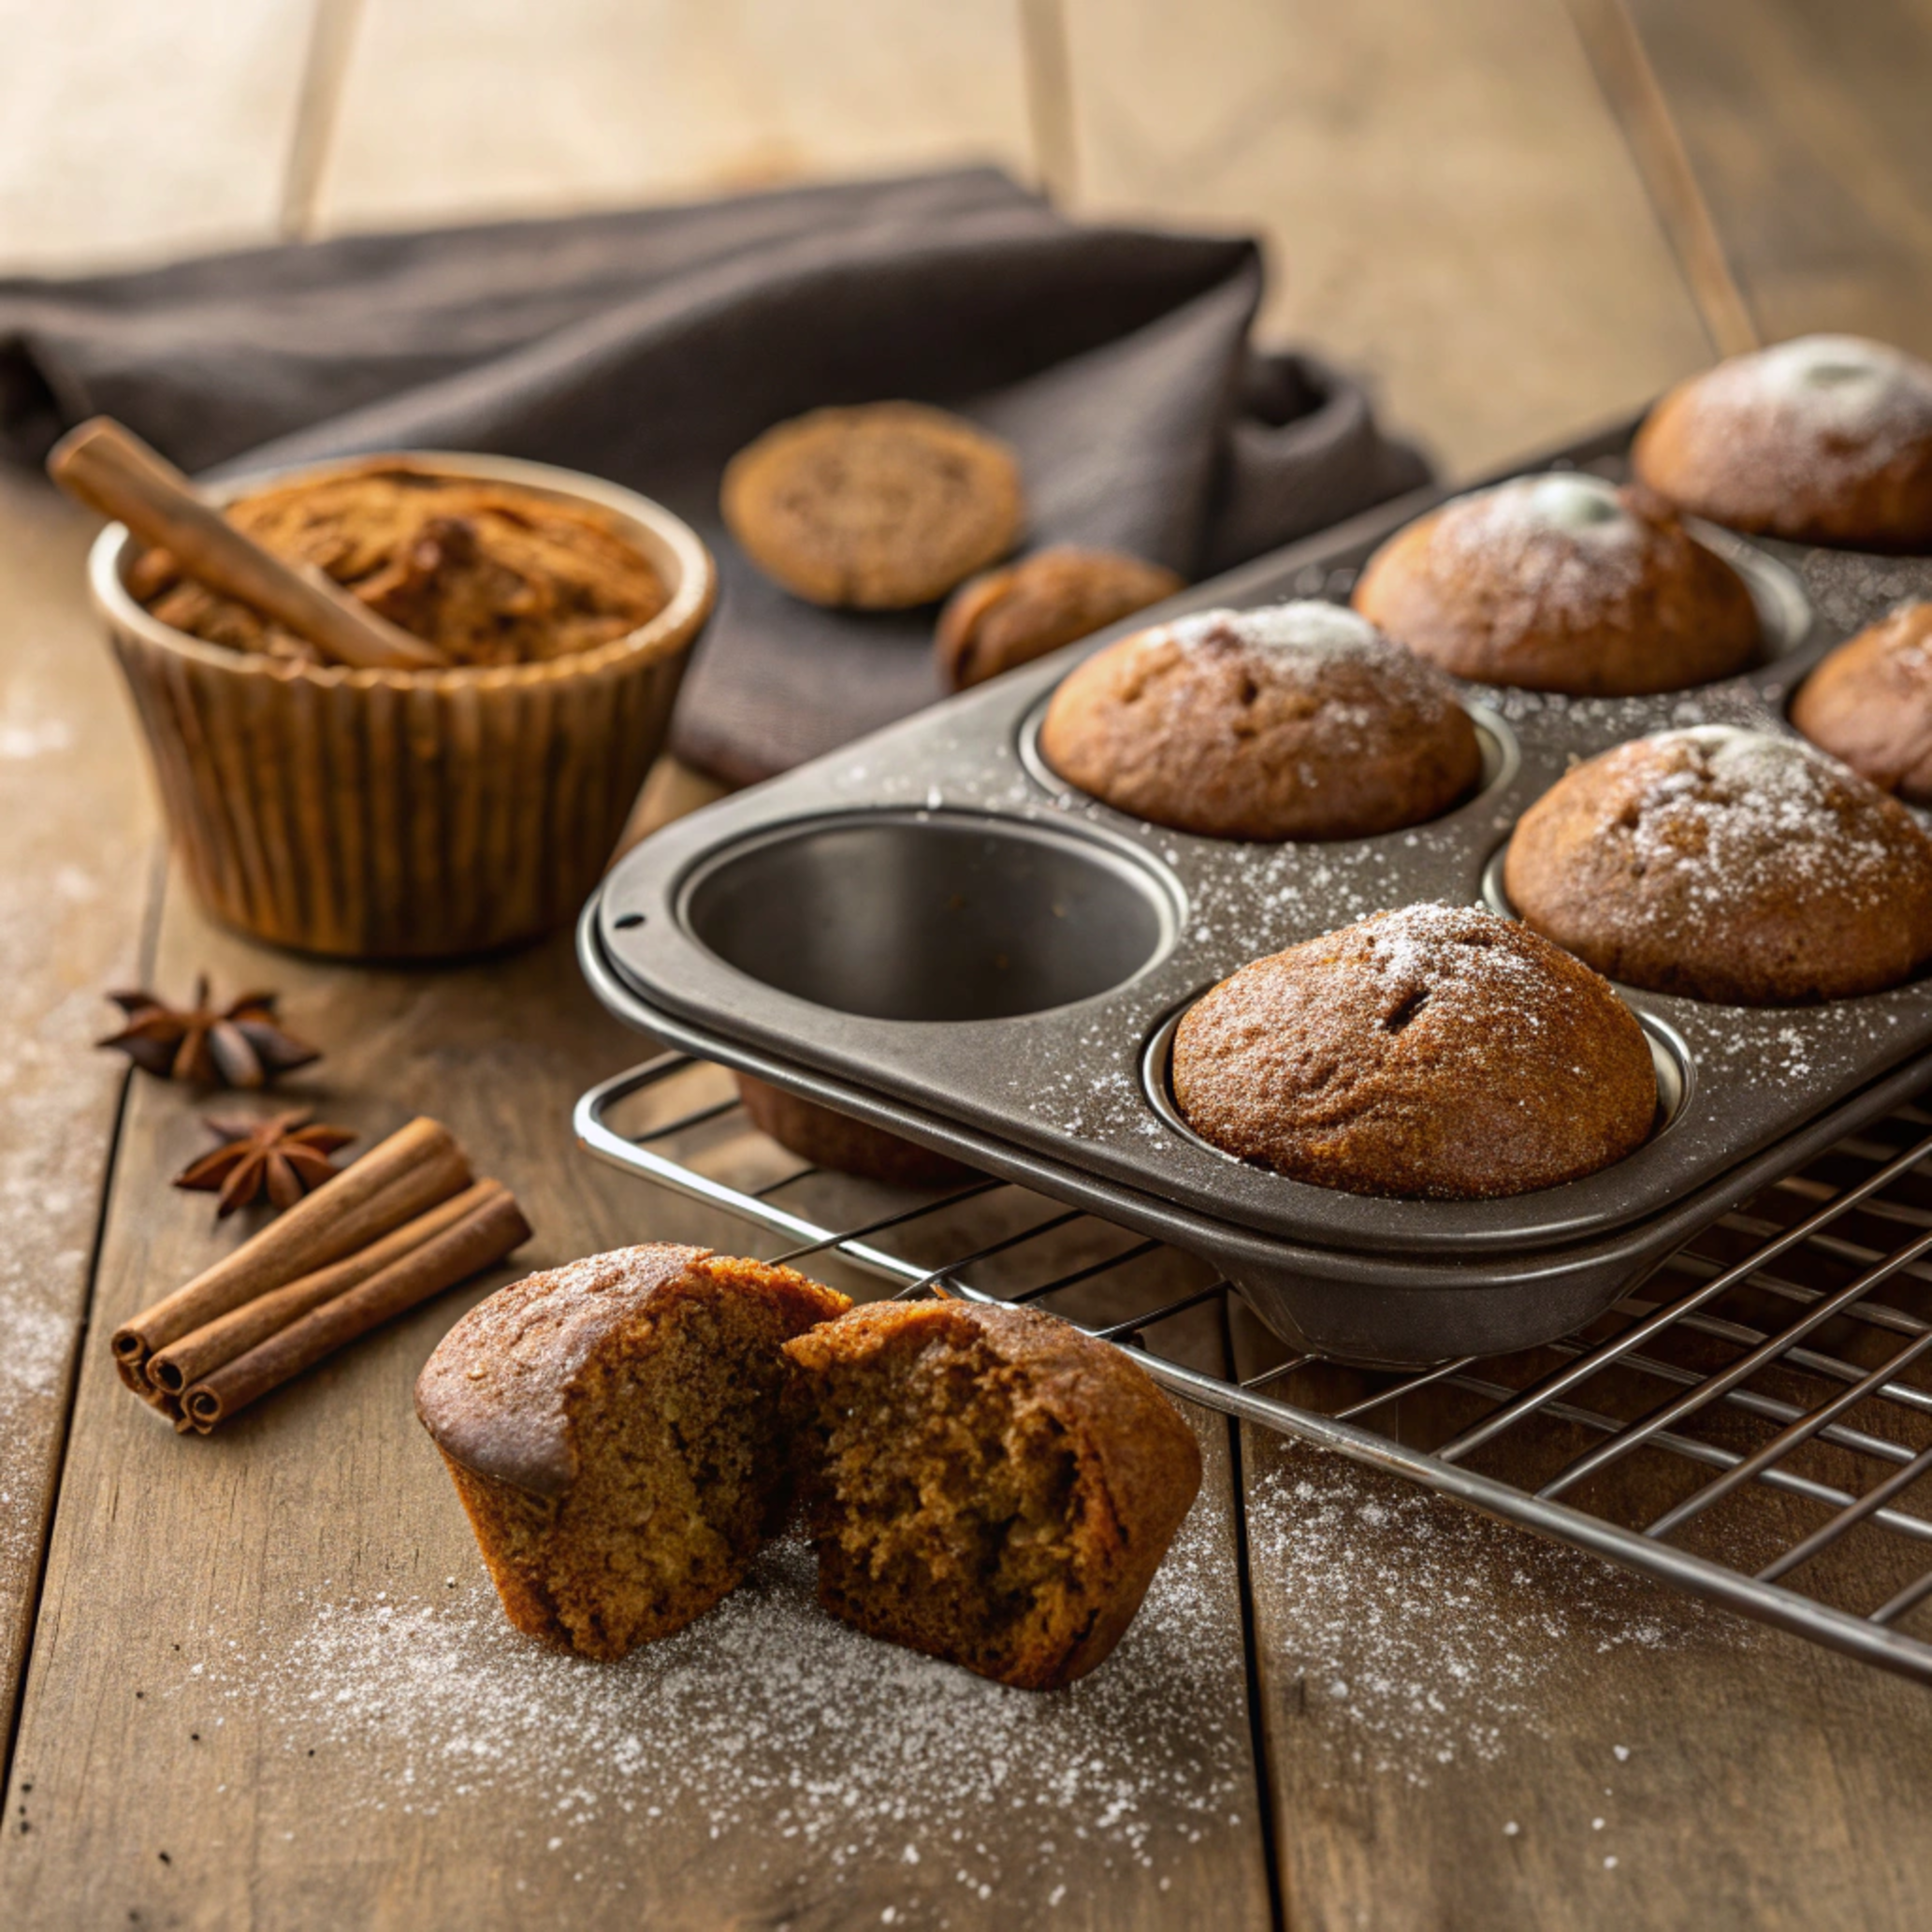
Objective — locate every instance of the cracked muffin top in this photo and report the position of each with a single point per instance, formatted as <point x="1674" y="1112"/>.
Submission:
<point x="1437" y="1050"/>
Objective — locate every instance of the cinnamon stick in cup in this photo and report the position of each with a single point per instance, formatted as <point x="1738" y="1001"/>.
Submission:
<point x="199" y="1354"/>
<point x="397" y="1180"/>
<point x="482" y="1237"/>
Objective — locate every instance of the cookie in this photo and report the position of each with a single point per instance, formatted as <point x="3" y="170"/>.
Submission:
<point x="880" y="507"/>
<point x="1009" y="617"/>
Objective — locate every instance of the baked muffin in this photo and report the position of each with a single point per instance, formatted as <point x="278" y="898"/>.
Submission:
<point x="1825" y="440"/>
<point x="875" y="508"/>
<point x="1298" y="720"/>
<point x="1006" y="617"/>
<point x="830" y="1139"/>
<point x="1562" y="583"/>
<point x="1729" y="866"/>
<point x="987" y="1484"/>
<point x="1871" y="703"/>
<point x="616" y="1431"/>
<point x="1438" y="1051"/>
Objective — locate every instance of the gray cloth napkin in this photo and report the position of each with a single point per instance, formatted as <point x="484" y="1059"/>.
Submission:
<point x="647" y="345"/>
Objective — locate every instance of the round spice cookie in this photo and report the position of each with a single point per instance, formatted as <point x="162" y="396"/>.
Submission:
<point x="1438" y="1051"/>
<point x="1825" y="440"/>
<point x="1298" y="720"/>
<point x="1562" y="583"/>
<point x="1009" y="617"/>
<point x="1727" y="864"/>
<point x="1871" y="703"/>
<point x="880" y="507"/>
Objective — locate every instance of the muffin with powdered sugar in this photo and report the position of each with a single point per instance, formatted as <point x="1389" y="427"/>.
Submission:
<point x="1440" y="1052"/>
<point x="1727" y="864"/>
<point x="1823" y="440"/>
<point x="1563" y="583"/>
<point x="1297" y="721"/>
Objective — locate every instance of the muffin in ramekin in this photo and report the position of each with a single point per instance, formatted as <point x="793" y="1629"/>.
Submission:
<point x="408" y="814"/>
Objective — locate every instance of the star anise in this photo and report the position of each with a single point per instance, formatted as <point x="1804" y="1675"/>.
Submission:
<point x="238" y="1046"/>
<point x="281" y="1157"/>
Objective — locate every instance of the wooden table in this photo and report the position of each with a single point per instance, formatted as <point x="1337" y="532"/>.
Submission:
<point x="258" y="1679"/>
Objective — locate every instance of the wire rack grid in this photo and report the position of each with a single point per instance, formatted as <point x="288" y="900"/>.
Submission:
<point x="1746" y="1424"/>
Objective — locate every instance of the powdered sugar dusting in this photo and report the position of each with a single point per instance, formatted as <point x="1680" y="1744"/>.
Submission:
<point x="1567" y="546"/>
<point x="1821" y="412"/>
<point x="1837" y="388"/>
<point x="1305" y="625"/>
<point x="1740" y="813"/>
<point x="779" y="1737"/>
<point x="1427" y="1636"/>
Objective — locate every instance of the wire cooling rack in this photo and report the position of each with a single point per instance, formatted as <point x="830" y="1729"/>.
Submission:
<point x="1746" y="1423"/>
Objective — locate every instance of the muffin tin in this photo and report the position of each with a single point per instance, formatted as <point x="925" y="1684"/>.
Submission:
<point x="931" y="931"/>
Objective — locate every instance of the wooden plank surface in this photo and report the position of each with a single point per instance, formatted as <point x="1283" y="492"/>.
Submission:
<point x="272" y="1685"/>
<point x="73" y="893"/>
<point x="131" y="132"/>
<point x="1805" y="123"/>
<point x="1469" y="1727"/>
<point x="465" y="107"/>
<point x="1449" y="202"/>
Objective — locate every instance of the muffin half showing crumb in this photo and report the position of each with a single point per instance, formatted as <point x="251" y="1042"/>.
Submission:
<point x="615" y="1430"/>
<point x="987" y="1484"/>
<point x="1438" y="1051"/>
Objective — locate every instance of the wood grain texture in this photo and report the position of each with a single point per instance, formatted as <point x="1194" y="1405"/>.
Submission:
<point x="1805" y="123"/>
<point x="454" y="108"/>
<point x="1471" y="1728"/>
<point x="73" y="896"/>
<point x="1630" y="85"/>
<point x="131" y="132"/>
<point x="271" y="1685"/>
<point x="1448" y="202"/>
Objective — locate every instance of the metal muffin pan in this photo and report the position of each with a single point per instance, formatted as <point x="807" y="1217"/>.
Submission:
<point x="930" y="930"/>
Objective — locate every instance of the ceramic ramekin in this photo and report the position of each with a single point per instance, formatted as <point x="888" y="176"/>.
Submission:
<point x="407" y="814"/>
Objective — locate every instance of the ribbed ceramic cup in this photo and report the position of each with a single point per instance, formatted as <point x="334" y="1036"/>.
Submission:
<point x="407" y="814"/>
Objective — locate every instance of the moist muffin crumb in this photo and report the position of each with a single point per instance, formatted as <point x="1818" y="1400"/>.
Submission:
<point x="987" y="1484"/>
<point x="1727" y="864"/>
<point x="1437" y="1051"/>
<point x="1296" y="720"/>
<point x="617" y="1432"/>
<point x="1562" y="583"/>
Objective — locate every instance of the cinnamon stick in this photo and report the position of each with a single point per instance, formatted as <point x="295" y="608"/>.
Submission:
<point x="200" y="1353"/>
<point x="479" y="1240"/>
<point x="394" y="1181"/>
<point x="111" y="470"/>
